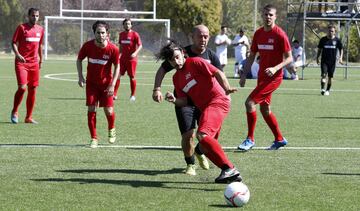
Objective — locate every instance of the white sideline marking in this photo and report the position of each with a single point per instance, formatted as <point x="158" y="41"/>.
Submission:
<point x="160" y="147"/>
<point x="57" y="76"/>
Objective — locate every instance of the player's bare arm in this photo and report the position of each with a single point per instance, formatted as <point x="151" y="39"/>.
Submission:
<point x="81" y="79"/>
<point x="40" y="55"/>
<point x="180" y="102"/>
<point x="133" y="55"/>
<point x="247" y="68"/>
<point x="157" y="95"/>
<point x="341" y="56"/>
<point x="111" y="87"/>
<point x="17" y="54"/>
<point x="318" y="55"/>
<point x="221" y="78"/>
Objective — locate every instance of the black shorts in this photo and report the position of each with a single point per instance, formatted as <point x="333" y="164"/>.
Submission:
<point x="187" y="118"/>
<point x="327" y="69"/>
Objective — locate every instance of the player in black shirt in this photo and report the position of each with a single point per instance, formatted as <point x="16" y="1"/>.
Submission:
<point x="188" y="116"/>
<point x="328" y="48"/>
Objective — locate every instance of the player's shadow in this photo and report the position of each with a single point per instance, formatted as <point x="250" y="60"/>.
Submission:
<point x="66" y="98"/>
<point x="137" y="183"/>
<point x="338" y="117"/>
<point x="123" y="171"/>
<point x="341" y="174"/>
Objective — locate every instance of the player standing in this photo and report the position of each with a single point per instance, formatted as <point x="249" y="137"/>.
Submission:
<point x="27" y="46"/>
<point x="221" y="42"/>
<point x="188" y="116"/>
<point x="273" y="46"/>
<point x="241" y="46"/>
<point x="328" y="48"/>
<point x="100" y="81"/>
<point x="194" y="77"/>
<point x="129" y="45"/>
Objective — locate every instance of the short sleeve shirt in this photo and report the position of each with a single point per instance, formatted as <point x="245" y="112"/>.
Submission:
<point x="271" y="46"/>
<point x="29" y="39"/>
<point x="129" y="42"/>
<point x="329" y="49"/>
<point x="100" y="61"/>
<point x="196" y="80"/>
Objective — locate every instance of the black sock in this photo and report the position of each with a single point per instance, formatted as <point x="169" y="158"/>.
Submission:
<point x="328" y="87"/>
<point x="190" y="160"/>
<point x="322" y="85"/>
<point x="197" y="149"/>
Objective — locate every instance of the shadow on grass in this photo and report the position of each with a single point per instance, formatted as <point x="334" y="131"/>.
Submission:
<point x="66" y="98"/>
<point x="133" y="183"/>
<point x="297" y="94"/>
<point x="123" y="171"/>
<point x="341" y="174"/>
<point x="336" y="117"/>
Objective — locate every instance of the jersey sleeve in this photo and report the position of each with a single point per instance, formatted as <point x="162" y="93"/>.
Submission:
<point x="339" y="44"/>
<point x="82" y="53"/>
<point x="42" y="36"/>
<point x="254" y="46"/>
<point x="286" y="43"/>
<point x="115" y="56"/>
<point x="138" y="40"/>
<point x="321" y="43"/>
<point x="17" y="35"/>
<point x="215" y="60"/>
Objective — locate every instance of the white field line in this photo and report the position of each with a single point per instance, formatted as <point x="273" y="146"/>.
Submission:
<point x="57" y="76"/>
<point x="160" y="147"/>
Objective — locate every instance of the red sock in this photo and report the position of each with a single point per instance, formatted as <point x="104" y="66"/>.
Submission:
<point x="30" y="102"/>
<point x="251" y="121"/>
<point x="92" y="124"/>
<point x="274" y="126"/>
<point x="116" y="87"/>
<point x="111" y="120"/>
<point x="212" y="149"/>
<point x="18" y="98"/>
<point x="133" y="86"/>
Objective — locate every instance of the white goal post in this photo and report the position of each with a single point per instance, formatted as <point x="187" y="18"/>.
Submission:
<point x="166" y="22"/>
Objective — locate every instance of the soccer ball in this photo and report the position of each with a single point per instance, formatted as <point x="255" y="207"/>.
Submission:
<point x="236" y="194"/>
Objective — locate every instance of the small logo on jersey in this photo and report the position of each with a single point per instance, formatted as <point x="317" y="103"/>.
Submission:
<point x="271" y="40"/>
<point x="187" y="76"/>
<point x="106" y="57"/>
<point x="334" y="42"/>
<point x="38" y="34"/>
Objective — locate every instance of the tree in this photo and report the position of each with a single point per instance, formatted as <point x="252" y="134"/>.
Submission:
<point x="186" y="14"/>
<point x="11" y="16"/>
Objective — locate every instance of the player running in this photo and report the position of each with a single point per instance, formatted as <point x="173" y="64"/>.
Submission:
<point x="194" y="77"/>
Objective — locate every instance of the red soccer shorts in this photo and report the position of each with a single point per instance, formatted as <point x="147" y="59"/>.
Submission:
<point x="212" y="118"/>
<point x="27" y="73"/>
<point x="96" y="94"/>
<point x="263" y="91"/>
<point x="128" y="66"/>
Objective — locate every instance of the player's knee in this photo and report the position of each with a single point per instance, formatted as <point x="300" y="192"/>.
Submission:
<point x="323" y="79"/>
<point x="108" y="111"/>
<point x="200" y="135"/>
<point x="265" y="110"/>
<point x="91" y="108"/>
<point x="187" y="136"/>
<point x="250" y="105"/>
<point x="22" y="87"/>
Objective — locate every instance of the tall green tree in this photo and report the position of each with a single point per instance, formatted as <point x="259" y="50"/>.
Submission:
<point x="11" y="16"/>
<point x="186" y="14"/>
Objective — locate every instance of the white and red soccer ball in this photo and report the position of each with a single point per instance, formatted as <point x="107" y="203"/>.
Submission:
<point x="237" y="194"/>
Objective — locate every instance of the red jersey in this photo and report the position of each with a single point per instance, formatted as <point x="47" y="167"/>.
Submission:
<point x="196" y="80"/>
<point x="271" y="46"/>
<point x="29" y="39"/>
<point x="100" y="61"/>
<point x="129" y="42"/>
